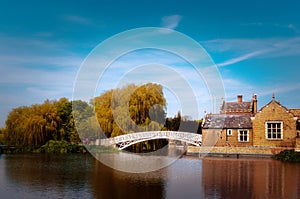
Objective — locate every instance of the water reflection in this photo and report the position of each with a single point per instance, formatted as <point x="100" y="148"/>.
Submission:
<point x="81" y="176"/>
<point x="37" y="176"/>
<point x="223" y="178"/>
<point x="141" y="162"/>
<point x="108" y="183"/>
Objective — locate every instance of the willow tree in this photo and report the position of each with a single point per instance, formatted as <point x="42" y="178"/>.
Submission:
<point x="131" y="108"/>
<point x="102" y="105"/>
<point x="147" y="103"/>
<point x="36" y="124"/>
<point x="32" y="126"/>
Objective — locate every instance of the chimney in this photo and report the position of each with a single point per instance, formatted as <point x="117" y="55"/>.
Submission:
<point x="240" y="98"/>
<point x="254" y="100"/>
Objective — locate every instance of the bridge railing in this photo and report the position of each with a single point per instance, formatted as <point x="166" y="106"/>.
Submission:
<point x="193" y="138"/>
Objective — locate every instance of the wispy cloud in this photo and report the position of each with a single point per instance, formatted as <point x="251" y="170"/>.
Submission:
<point x="245" y="49"/>
<point x="242" y="58"/>
<point x="293" y="27"/>
<point x="279" y="88"/>
<point x="77" y="19"/>
<point x="44" y="34"/>
<point x="281" y="26"/>
<point x="171" y="21"/>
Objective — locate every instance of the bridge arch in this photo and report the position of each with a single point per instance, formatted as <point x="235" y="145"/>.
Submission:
<point x="127" y="140"/>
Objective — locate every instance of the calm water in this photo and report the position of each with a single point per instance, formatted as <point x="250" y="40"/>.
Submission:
<point x="81" y="176"/>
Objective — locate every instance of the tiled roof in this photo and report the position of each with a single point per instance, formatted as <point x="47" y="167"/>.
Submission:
<point x="236" y="107"/>
<point x="224" y="121"/>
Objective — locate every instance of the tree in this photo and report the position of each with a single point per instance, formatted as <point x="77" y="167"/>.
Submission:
<point x="186" y="124"/>
<point x="131" y="108"/>
<point x="36" y="124"/>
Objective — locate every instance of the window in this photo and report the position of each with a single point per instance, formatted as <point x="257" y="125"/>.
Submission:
<point x="274" y="130"/>
<point x="243" y="136"/>
<point x="229" y="132"/>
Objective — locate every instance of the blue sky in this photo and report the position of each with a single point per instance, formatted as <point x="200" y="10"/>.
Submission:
<point x="255" y="44"/>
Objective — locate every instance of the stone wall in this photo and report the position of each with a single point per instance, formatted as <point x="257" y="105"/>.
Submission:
<point x="274" y="112"/>
<point x="236" y="150"/>
<point x="219" y="137"/>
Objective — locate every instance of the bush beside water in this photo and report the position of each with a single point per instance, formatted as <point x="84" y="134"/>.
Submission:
<point x="288" y="156"/>
<point x="53" y="146"/>
<point x="102" y="149"/>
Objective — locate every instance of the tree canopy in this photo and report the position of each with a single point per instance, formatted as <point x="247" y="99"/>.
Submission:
<point x="36" y="124"/>
<point x="130" y="109"/>
<point x="115" y="112"/>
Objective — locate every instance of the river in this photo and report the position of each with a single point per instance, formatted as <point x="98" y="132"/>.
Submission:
<point x="82" y="176"/>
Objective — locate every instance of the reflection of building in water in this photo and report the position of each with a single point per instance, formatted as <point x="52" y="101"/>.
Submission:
<point x="235" y="179"/>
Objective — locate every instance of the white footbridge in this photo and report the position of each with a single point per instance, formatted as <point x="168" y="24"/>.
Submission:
<point x="126" y="140"/>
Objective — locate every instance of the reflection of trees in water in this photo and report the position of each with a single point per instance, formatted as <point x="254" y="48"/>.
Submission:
<point x="43" y="172"/>
<point x="108" y="183"/>
<point x="79" y="176"/>
<point x="250" y="178"/>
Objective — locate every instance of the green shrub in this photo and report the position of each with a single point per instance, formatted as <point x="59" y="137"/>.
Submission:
<point x="61" y="147"/>
<point x="288" y="156"/>
<point x="102" y="149"/>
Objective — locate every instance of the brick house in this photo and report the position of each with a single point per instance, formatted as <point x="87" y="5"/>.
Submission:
<point x="239" y="124"/>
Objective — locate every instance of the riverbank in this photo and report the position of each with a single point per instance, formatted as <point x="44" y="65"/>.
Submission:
<point x="58" y="147"/>
<point x="237" y="152"/>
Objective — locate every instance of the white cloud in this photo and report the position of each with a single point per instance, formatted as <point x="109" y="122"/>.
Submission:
<point x="292" y="27"/>
<point x="244" y="49"/>
<point x="77" y="19"/>
<point x="171" y="21"/>
<point x="241" y="58"/>
<point x="279" y="88"/>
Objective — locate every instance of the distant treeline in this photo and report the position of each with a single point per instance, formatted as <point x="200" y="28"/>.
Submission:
<point x="119" y="111"/>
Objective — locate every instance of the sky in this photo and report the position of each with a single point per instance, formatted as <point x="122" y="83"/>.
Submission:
<point x="254" y="44"/>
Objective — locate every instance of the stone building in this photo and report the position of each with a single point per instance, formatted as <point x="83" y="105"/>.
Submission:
<point x="240" y="124"/>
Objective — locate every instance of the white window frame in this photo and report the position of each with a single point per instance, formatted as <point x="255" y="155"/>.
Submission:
<point x="271" y="130"/>
<point x="229" y="132"/>
<point x="246" y="134"/>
